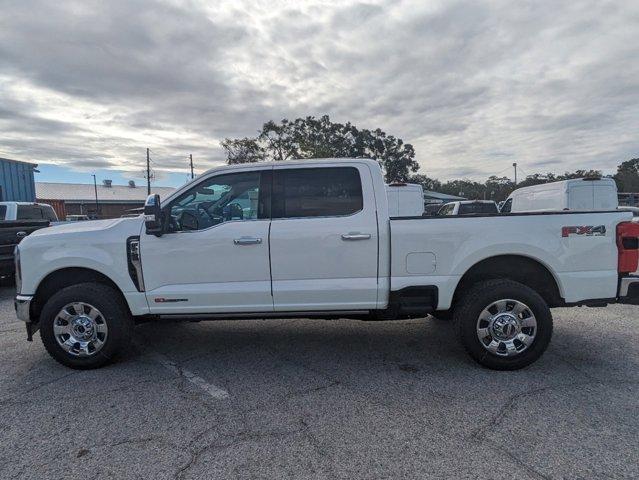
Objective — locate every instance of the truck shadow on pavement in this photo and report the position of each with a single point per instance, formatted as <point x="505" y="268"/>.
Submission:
<point x="418" y="346"/>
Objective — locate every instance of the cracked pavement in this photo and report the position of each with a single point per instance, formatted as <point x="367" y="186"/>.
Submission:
<point x="324" y="399"/>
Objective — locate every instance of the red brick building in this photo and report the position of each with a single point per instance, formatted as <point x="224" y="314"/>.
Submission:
<point x="113" y="201"/>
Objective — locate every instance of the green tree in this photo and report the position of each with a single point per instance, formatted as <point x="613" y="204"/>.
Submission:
<point x="464" y="188"/>
<point x="242" y="150"/>
<point x="627" y="176"/>
<point x="537" y="179"/>
<point x="427" y="183"/>
<point x="498" y="188"/>
<point x="279" y="141"/>
<point x="580" y="174"/>
<point x="312" y="137"/>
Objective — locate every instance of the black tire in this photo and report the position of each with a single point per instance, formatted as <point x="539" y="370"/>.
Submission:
<point x="482" y="295"/>
<point x="114" y="313"/>
<point x="443" y="315"/>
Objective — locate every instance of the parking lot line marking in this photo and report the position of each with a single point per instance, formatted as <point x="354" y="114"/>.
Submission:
<point x="212" y="390"/>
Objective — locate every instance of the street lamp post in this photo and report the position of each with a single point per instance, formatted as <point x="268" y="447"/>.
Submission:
<point x="95" y="187"/>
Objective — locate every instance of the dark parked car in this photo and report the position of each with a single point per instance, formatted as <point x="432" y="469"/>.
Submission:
<point x="17" y="220"/>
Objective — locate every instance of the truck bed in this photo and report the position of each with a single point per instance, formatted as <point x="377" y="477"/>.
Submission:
<point x="437" y="251"/>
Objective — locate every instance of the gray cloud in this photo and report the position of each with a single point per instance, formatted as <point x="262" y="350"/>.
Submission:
<point x="473" y="85"/>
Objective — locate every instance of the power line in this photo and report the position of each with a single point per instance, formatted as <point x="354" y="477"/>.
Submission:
<point x="499" y="173"/>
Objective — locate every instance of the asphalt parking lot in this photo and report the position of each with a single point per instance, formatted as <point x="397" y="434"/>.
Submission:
<point x="324" y="399"/>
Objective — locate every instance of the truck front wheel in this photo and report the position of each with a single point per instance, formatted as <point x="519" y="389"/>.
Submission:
<point x="85" y="325"/>
<point x="503" y="324"/>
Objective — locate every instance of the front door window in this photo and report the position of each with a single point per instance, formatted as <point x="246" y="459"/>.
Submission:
<point x="219" y="199"/>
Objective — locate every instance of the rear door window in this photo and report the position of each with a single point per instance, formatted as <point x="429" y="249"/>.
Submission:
<point x="29" y="212"/>
<point x="316" y="192"/>
<point x="477" y="208"/>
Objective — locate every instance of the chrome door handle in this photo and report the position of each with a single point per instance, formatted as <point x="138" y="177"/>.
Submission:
<point x="21" y="234"/>
<point x="247" y="241"/>
<point x="356" y="236"/>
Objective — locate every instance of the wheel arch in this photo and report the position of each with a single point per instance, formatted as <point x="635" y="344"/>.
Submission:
<point x="65" y="277"/>
<point x="526" y="270"/>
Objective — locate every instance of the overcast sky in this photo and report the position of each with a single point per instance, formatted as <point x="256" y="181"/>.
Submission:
<point x="474" y="86"/>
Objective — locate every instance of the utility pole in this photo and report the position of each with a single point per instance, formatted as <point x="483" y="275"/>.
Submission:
<point x="515" y="165"/>
<point x="148" y="173"/>
<point x="191" y="158"/>
<point x="95" y="187"/>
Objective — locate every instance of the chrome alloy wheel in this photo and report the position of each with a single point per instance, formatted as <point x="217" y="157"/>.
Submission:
<point x="80" y="329"/>
<point x="506" y="327"/>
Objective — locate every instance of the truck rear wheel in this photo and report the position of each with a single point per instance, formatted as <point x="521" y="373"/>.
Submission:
<point x="85" y="325"/>
<point x="503" y="324"/>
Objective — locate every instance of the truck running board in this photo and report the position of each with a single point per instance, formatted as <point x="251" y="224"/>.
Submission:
<point x="330" y="314"/>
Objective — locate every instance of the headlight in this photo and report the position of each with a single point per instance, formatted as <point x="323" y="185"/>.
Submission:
<point x="16" y="256"/>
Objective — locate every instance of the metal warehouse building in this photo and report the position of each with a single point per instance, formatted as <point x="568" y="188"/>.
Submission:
<point x="16" y="181"/>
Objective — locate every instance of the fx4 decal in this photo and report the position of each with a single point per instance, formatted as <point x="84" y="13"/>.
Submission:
<point x="587" y="230"/>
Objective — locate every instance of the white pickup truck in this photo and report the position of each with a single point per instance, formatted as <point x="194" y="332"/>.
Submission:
<point x="314" y="239"/>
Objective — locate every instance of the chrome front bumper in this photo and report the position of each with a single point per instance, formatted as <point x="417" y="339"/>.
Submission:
<point x="22" y="304"/>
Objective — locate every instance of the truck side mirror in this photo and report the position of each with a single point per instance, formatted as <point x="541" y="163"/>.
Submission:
<point x="153" y="215"/>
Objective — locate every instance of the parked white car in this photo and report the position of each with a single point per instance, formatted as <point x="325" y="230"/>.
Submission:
<point x="405" y="200"/>
<point x="314" y="239"/>
<point x="469" y="207"/>
<point x="584" y="194"/>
